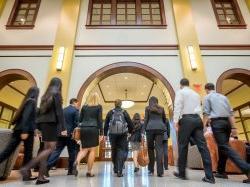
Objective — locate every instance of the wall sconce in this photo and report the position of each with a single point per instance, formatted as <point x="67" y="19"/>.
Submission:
<point x="60" y="58"/>
<point x="191" y="55"/>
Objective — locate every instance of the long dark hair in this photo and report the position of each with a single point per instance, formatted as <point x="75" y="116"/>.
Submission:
<point x="154" y="106"/>
<point x="136" y="121"/>
<point x="32" y="94"/>
<point x="54" y="88"/>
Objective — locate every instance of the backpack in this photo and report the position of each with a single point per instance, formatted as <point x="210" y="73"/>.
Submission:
<point x="118" y="124"/>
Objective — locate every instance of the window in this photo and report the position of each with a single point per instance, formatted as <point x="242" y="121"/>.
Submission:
<point x="227" y="13"/>
<point x="23" y="14"/>
<point x="6" y="114"/>
<point x="126" y="13"/>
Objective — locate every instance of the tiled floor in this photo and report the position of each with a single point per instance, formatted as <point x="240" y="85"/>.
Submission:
<point x="105" y="178"/>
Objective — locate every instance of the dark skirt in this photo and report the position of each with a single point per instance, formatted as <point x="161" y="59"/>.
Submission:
<point x="89" y="137"/>
<point x="49" y="132"/>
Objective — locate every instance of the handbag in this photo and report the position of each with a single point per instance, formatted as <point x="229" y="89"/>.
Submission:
<point x="143" y="159"/>
<point x="76" y="134"/>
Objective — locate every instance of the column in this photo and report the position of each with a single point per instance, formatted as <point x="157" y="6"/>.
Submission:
<point x="189" y="45"/>
<point x="2" y="5"/>
<point x="64" y="44"/>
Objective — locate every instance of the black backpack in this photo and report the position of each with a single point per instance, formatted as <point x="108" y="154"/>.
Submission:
<point x="118" y="124"/>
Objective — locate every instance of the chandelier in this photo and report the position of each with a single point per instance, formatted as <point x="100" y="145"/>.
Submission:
<point x="127" y="103"/>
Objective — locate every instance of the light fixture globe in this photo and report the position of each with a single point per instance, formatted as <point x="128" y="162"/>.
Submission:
<point x="127" y="104"/>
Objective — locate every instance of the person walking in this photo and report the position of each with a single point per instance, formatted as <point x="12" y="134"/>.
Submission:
<point x="136" y="138"/>
<point x="71" y="118"/>
<point x="118" y="124"/>
<point x="91" y="131"/>
<point x="155" y="125"/>
<point x="187" y="109"/>
<point x="24" y="121"/>
<point x="218" y="112"/>
<point x="50" y="121"/>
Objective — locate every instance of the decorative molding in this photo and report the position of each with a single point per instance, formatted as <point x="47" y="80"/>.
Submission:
<point x="234" y="89"/>
<point x="17" y="90"/>
<point x="225" y="47"/>
<point x="26" y="47"/>
<point x="126" y="47"/>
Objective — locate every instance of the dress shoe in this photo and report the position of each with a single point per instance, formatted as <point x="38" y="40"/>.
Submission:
<point x="159" y="175"/>
<point x="180" y="176"/>
<point x="211" y="181"/>
<point x="247" y="181"/>
<point x="74" y="170"/>
<point x="119" y="174"/>
<point x="88" y="174"/>
<point x="221" y="175"/>
<point x="29" y="179"/>
<point x="38" y="182"/>
<point x="136" y="169"/>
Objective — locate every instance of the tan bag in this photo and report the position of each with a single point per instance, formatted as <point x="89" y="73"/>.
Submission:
<point x="143" y="159"/>
<point x="76" y="134"/>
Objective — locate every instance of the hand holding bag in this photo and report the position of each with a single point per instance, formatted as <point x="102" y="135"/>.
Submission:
<point x="143" y="159"/>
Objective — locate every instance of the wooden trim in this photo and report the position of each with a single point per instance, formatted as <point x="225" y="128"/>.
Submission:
<point x="234" y="89"/>
<point x="14" y="88"/>
<point x="125" y="67"/>
<point x="13" y="13"/>
<point x="126" y="47"/>
<point x="241" y="25"/>
<point x="225" y="47"/>
<point x="137" y="25"/>
<point x="242" y="106"/>
<point x="26" y="47"/>
<point x="240" y="74"/>
<point x="10" y="75"/>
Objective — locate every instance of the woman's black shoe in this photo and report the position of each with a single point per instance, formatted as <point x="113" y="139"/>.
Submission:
<point x="211" y="181"/>
<point x="136" y="169"/>
<point x="180" y="176"/>
<point x="89" y="175"/>
<point x="38" y="182"/>
<point x="159" y="175"/>
<point x="119" y="174"/>
<point x="221" y="175"/>
<point x="29" y="179"/>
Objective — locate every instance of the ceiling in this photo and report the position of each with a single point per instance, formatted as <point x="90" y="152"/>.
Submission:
<point x="230" y="84"/>
<point x="139" y="89"/>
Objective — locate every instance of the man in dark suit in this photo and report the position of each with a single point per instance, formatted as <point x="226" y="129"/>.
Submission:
<point x="71" y="118"/>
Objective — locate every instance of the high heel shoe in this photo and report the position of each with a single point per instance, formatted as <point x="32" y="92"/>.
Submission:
<point x="89" y="174"/>
<point x="74" y="170"/>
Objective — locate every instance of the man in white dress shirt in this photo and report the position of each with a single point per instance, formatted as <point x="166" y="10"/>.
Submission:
<point x="187" y="110"/>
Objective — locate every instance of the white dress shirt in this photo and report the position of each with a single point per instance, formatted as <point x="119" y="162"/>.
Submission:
<point x="187" y="101"/>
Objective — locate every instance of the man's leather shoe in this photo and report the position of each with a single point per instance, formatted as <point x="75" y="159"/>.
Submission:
<point x="29" y="179"/>
<point x="221" y="175"/>
<point x="180" y="176"/>
<point x="211" y="181"/>
<point x="119" y="174"/>
<point x="38" y="182"/>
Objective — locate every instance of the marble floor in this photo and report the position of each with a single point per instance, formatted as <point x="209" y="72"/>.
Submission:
<point x="106" y="178"/>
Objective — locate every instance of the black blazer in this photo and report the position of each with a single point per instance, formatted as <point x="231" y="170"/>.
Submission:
<point x="71" y="118"/>
<point x="109" y="117"/>
<point x="91" y="116"/>
<point x="54" y="114"/>
<point x="156" y="121"/>
<point x="26" y="122"/>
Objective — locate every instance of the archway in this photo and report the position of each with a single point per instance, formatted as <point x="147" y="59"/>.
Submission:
<point x="235" y="84"/>
<point x="13" y="87"/>
<point x="124" y="67"/>
<point x="120" y="69"/>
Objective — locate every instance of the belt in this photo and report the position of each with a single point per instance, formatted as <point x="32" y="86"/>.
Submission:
<point x="190" y="115"/>
<point x="220" y="118"/>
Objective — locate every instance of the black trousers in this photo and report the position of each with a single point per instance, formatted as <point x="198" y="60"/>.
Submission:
<point x="165" y="154"/>
<point x="62" y="142"/>
<point x="222" y="130"/>
<point x="14" y="143"/>
<point x="155" y="149"/>
<point x="119" y="151"/>
<point x="191" y="126"/>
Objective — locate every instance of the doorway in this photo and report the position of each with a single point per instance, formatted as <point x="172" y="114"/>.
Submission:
<point x="127" y="81"/>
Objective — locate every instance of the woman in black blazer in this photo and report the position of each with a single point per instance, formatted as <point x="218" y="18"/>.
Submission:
<point x="24" y="121"/>
<point x="155" y="125"/>
<point x="91" y="129"/>
<point x="50" y="121"/>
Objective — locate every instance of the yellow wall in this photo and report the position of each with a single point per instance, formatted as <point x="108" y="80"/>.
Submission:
<point x="10" y="97"/>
